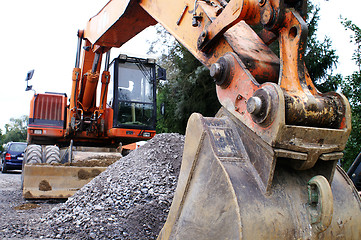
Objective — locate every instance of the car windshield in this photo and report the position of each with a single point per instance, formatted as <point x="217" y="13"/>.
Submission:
<point x="17" y="147"/>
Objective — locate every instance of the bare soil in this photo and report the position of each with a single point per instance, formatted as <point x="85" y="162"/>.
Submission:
<point x="90" y="159"/>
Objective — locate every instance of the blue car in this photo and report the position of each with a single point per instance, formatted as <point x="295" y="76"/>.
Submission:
<point x="12" y="157"/>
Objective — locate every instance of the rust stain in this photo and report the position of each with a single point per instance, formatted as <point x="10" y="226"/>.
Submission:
<point x="44" y="186"/>
<point x="26" y="206"/>
<point x="83" y="174"/>
<point x="28" y="195"/>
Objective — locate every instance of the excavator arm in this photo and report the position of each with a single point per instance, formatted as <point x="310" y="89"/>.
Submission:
<point x="111" y="27"/>
<point x="265" y="166"/>
<point x="272" y="96"/>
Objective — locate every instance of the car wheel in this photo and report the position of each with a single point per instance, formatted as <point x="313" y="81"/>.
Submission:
<point x="22" y="174"/>
<point x="4" y="168"/>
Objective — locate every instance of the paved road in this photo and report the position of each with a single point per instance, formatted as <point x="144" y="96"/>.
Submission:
<point x="10" y="197"/>
<point x="10" y="192"/>
<point x="10" y="181"/>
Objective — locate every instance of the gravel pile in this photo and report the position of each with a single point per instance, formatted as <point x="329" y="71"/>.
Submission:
<point x="130" y="200"/>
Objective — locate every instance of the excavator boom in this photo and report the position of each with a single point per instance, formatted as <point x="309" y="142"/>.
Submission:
<point x="270" y="95"/>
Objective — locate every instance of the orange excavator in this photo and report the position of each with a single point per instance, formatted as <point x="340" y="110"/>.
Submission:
<point x="129" y="116"/>
<point x="56" y="129"/>
<point x="125" y="114"/>
<point x="265" y="167"/>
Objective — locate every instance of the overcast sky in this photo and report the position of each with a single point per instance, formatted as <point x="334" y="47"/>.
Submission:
<point x="41" y="35"/>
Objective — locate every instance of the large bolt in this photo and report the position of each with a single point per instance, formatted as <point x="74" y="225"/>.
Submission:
<point x="261" y="2"/>
<point x="216" y="71"/>
<point x="254" y="105"/>
<point x="267" y="17"/>
<point x="194" y="22"/>
<point x="221" y="71"/>
<point x="260" y="105"/>
<point x="202" y="39"/>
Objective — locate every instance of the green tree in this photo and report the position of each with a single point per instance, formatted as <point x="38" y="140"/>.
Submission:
<point x="351" y="87"/>
<point x="16" y="130"/>
<point x="1" y="140"/>
<point x="320" y="57"/>
<point x="189" y="89"/>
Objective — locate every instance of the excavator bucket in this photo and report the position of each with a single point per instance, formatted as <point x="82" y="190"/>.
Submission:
<point x="62" y="180"/>
<point x="231" y="186"/>
<point x="49" y="181"/>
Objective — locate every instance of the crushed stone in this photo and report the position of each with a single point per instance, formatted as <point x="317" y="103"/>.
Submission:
<point x="130" y="200"/>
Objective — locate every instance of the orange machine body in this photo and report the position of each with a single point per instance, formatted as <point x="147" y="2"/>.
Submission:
<point x="133" y="100"/>
<point x="47" y="116"/>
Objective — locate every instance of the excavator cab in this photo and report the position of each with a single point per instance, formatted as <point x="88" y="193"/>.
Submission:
<point x="133" y="97"/>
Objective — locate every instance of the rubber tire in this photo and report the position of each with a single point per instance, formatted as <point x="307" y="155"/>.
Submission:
<point x="52" y="154"/>
<point x="4" y="169"/>
<point x="33" y="154"/>
<point x="22" y="174"/>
